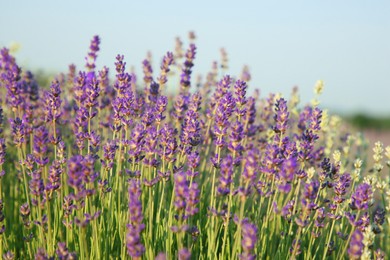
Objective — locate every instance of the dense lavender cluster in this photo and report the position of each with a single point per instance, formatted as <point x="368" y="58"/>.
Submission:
<point x="93" y="167"/>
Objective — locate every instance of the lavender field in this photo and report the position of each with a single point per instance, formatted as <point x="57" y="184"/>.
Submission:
<point x="162" y="165"/>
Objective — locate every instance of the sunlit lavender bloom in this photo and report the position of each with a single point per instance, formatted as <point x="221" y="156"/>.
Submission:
<point x="153" y="92"/>
<point x="184" y="254"/>
<point x="54" y="181"/>
<point x="53" y="102"/>
<point x="92" y="91"/>
<point x="168" y="143"/>
<point x="192" y="200"/>
<point x="340" y="187"/>
<point x="356" y="245"/>
<point x="193" y="160"/>
<point x="287" y="210"/>
<point x="250" y="116"/>
<point x="36" y="184"/>
<point x="235" y="138"/>
<point x="286" y="174"/>
<point x="63" y="252"/>
<point x="190" y="134"/>
<point x="226" y="175"/>
<point x="148" y="71"/>
<point x="161" y="105"/>
<point x="240" y="92"/>
<point x="2" y="151"/>
<point x="166" y="62"/>
<point x="161" y="256"/>
<point x="41" y="254"/>
<point x="271" y="160"/>
<point x="306" y="145"/>
<point x="9" y="256"/>
<point x="309" y="196"/>
<point x="362" y="197"/>
<point x="315" y="120"/>
<point x="150" y="145"/>
<point x="181" y="191"/>
<point x="249" y="240"/>
<point x="76" y="172"/>
<point x="223" y="87"/>
<point x="18" y="131"/>
<point x="179" y="106"/>
<point x="92" y="54"/>
<point x="245" y="74"/>
<point x="135" y="227"/>
<point x="185" y="80"/>
<point x="250" y="171"/>
<point x="136" y="142"/>
<point x="41" y="139"/>
<point x="281" y="116"/>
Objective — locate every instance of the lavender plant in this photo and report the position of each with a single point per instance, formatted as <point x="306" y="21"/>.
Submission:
<point x="101" y="168"/>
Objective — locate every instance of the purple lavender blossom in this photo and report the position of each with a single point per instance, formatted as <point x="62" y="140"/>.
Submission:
<point x="92" y="54"/>
<point x="18" y="131"/>
<point x="249" y="240"/>
<point x="181" y="191"/>
<point x="166" y="62"/>
<point x="362" y="197"/>
<point x="281" y="116"/>
<point x="148" y="71"/>
<point x="184" y="254"/>
<point x="185" y="81"/>
<point x="53" y="102"/>
<point x="356" y="245"/>
<point x="135" y="227"/>
<point x="226" y="175"/>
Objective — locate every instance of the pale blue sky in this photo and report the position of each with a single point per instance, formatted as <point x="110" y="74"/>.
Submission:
<point x="285" y="43"/>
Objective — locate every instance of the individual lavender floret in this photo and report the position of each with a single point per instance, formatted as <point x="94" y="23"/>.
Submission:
<point x="161" y="105"/>
<point x="76" y="172"/>
<point x="249" y="240"/>
<point x="135" y="227"/>
<point x="36" y="184"/>
<point x="136" y="142"/>
<point x="281" y="116"/>
<point x="41" y="139"/>
<point x="148" y="71"/>
<point x="18" y="131"/>
<point x="245" y="74"/>
<point x="41" y="255"/>
<point x="184" y="254"/>
<point x="310" y="194"/>
<point x="92" y="91"/>
<point x="356" y="245"/>
<point x="362" y="197"/>
<point x="250" y="171"/>
<point x="192" y="200"/>
<point x="2" y="151"/>
<point x="185" y="80"/>
<point x="249" y="117"/>
<point x="226" y="175"/>
<point x="240" y="92"/>
<point x="150" y="144"/>
<point x="63" y="252"/>
<point x="236" y="136"/>
<point x="190" y="135"/>
<point x="181" y="191"/>
<point x="168" y="143"/>
<point x="340" y="187"/>
<point x="54" y="180"/>
<point x="166" y="62"/>
<point x="53" y="102"/>
<point x="222" y="114"/>
<point x="9" y="256"/>
<point x="92" y="54"/>
<point x="179" y="106"/>
<point x="286" y="174"/>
